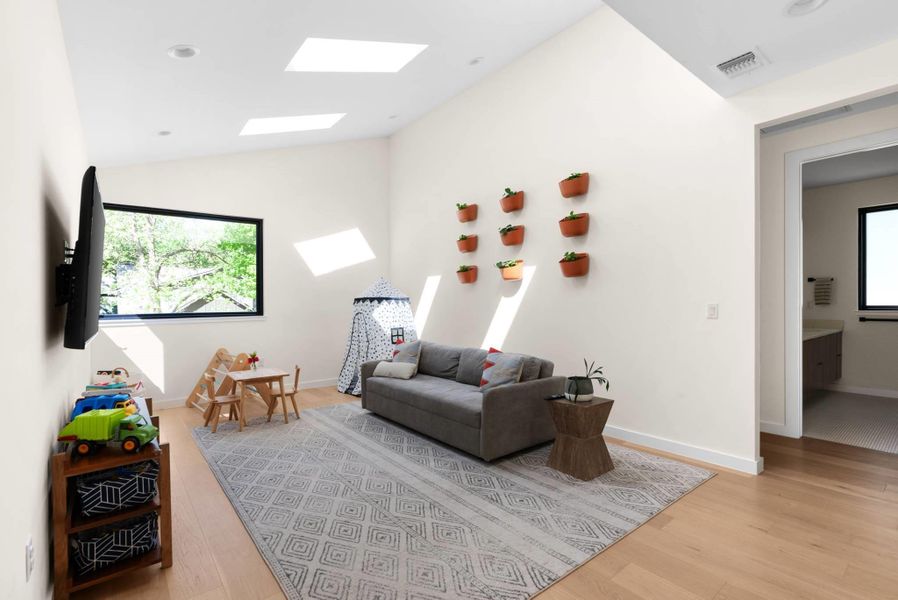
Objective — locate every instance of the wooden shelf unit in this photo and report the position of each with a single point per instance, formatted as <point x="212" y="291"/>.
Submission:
<point x="66" y="522"/>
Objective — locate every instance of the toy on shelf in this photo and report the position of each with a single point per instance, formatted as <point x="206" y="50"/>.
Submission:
<point x="89" y="403"/>
<point x="95" y="428"/>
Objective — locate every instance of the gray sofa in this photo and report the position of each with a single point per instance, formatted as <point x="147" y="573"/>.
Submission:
<point x="444" y="401"/>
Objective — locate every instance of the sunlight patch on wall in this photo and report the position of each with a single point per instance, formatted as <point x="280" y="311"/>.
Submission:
<point x="506" y="313"/>
<point x="330" y="253"/>
<point x="143" y="348"/>
<point x="426" y="302"/>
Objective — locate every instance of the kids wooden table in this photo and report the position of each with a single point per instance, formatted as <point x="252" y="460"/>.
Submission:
<point x="262" y="379"/>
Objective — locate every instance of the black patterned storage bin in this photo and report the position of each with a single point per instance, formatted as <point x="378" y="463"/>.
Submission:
<point x="106" y="546"/>
<point x="115" y="489"/>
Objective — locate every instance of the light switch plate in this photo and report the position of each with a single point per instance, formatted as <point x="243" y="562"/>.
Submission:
<point x="713" y="310"/>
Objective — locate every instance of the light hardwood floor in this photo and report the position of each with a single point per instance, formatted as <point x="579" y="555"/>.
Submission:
<point x="820" y="523"/>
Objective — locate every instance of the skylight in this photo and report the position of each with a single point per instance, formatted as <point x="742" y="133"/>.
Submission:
<point x="290" y="124"/>
<point x="321" y="55"/>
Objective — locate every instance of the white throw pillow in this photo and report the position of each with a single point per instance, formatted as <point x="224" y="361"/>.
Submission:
<point x="396" y="370"/>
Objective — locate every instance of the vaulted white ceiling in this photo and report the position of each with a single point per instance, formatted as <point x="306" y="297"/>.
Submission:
<point x="129" y="89"/>
<point x="701" y="34"/>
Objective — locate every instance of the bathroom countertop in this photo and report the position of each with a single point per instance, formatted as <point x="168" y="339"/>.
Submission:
<point x="812" y="333"/>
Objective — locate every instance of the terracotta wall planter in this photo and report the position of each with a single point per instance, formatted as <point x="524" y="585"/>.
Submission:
<point x="467" y="245"/>
<point x="467" y="214"/>
<point x="575" y="268"/>
<point x="515" y="237"/>
<point x="574" y="187"/>
<point x="514" y="273"/>
<point x="513" y="202"/>
<point x="575" y="227"/>
<point x="469" y="276"/>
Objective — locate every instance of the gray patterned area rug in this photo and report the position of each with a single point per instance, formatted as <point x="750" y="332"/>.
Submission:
<point x="343" y="504"/>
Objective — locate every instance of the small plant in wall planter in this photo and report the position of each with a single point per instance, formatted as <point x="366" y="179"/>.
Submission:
<point x="575" y="184"/>
<point x="467" y="273"/>
<point x="574" y="224"/>
<point x="466" y="212"/>
<point x="467" y="243"/>
<point x="574" y="264"/>
<point x="579" y="387"/>
<point x="512" y="200"/>
<point x="512" y="235"/>
<point x="511" y="270"/>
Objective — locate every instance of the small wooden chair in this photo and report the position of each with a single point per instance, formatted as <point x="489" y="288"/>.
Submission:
<point x="291" y="392"/>
<point x="213" y="410"/>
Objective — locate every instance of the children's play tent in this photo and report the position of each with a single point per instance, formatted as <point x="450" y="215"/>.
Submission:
<point x="381" y="316"/>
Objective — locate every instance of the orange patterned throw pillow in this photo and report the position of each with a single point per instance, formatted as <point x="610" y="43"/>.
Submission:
<point x="500" y="369"/>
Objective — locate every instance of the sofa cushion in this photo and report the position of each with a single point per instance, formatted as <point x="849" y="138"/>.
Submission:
<point x="501" y="369"/>
<point x="439" y="360"/>
<point x="409" y="353"/>
<point x="396" y="370"/>
<point x="531" y="367"/>
<point x="444" y="397"/>
<point x="470" y="366"/>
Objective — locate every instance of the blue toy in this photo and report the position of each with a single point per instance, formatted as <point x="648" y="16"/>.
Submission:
<point x="83" y="405"/>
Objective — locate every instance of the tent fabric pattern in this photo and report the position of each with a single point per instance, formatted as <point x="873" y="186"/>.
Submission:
<point x="377" y="313"/>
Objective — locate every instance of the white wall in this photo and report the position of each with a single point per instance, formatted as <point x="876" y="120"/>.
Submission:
<point x="672" y="230"/>
<point x="830" y="222"/>
<point x="301" y="193"/>
<point x="676" y="224"/>
<point x="42" y="159"/>
<point x="773" y="150"/>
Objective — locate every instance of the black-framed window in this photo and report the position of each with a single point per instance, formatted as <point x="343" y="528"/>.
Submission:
<point x="878" y="257"/>
<point x="160" y="263"/>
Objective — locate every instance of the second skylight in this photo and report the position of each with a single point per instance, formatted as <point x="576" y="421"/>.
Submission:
<point x="321" y="55"/>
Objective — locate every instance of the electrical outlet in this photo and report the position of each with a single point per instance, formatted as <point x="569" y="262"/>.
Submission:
<point x="29" y="559"/>
<point x="712" y="311"/>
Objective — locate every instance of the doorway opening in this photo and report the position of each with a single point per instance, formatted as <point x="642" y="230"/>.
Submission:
<point x="842" y="292"/>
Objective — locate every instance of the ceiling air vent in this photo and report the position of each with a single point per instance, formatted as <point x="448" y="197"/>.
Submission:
<point x="741" y="64"/>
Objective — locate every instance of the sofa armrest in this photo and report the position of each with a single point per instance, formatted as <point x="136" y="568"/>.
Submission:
<point x="517" y="413"/>
<point x="367" y="371"/>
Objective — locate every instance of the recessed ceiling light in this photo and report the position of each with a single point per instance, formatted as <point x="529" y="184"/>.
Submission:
<point x="290" y="124"/>
<point x="393" y="116"/>
<point x="799" y="8"/>
<point x="183" y="51"/>
<point x="163" y="133"/>
<point x="352" y="56"/>
<point x="475" y="61"/>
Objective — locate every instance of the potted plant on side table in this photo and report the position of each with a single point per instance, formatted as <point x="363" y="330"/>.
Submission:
<point x="574" y="264"/>
<point x="575" y="184"/>
<point x="466" y="212"/>
<point x="579" y="387"/>
<point x="512" y="200"/>
<point x="512" y="235"/>
<point x="574" y="224"/>
<point x="467" y="273"/>
<point x="511" y="270"/>
<point x="467" y="243"/>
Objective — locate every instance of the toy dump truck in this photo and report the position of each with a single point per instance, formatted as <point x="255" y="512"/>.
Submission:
<point x="95" y="428"/>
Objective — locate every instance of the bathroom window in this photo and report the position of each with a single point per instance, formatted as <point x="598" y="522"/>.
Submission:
<point x="878" y="258"/>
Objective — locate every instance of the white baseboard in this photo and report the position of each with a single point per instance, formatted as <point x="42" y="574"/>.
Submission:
<point x="864" y="391"/>
<point x="737" y="463"/>
<point x="776" y="429"/>
<point x="163" y="403"/>
<point x="318" y="383"/>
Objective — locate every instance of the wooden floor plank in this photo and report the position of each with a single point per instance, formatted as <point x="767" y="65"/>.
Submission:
<point x="821" y="523"/>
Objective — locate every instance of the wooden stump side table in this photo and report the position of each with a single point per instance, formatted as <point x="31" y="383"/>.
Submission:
<point x="579" y="448"/>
